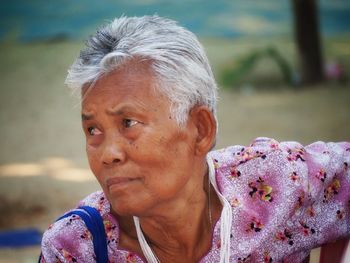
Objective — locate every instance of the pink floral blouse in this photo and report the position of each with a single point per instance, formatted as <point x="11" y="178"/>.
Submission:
<point x="286" y="199"/>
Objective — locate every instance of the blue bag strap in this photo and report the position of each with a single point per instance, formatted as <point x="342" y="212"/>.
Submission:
<point x="94" y="222"/>
<point x="100" y="249"/>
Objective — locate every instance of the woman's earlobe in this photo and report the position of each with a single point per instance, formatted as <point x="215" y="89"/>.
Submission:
<point x="205" y="123"/>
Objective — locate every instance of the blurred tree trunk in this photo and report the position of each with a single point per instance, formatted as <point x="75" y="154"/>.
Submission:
<point x="307" y="36"/>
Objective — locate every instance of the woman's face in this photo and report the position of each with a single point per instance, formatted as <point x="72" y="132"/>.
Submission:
<point x="139" y="155"/>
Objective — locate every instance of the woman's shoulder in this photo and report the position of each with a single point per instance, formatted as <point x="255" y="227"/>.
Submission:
<point x="290" y="151"/>
<point x="237" y="154"/>
<point x="98" y="201"/>
<point x="69" y="240"/>
<point x="285" y="197"/>
<point x="289" y="164"/>
<point x="262" y="174"/>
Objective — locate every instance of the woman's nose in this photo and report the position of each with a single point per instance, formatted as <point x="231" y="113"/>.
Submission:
<point x="113" y="152"/>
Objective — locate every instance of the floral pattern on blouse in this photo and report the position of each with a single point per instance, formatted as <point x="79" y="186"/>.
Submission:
<point x="286" y="199"/>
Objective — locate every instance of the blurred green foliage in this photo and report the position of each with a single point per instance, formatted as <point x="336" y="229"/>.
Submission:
<point x="241" y="67"/>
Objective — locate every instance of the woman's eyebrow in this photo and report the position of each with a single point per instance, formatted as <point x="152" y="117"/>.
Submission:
<point x="121" y="110"/>
<point x="112" y="111"/>
<point x="86" y="116"/>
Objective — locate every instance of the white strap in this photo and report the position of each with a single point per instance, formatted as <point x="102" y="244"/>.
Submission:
<point x="226" y="217"/>
<point x="146" y="249"/>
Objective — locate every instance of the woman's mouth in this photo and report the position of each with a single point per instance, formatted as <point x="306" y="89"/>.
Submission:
<point x="119" y="183"/>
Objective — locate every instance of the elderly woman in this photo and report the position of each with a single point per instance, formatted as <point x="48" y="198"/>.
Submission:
<point x="148" y="113"/>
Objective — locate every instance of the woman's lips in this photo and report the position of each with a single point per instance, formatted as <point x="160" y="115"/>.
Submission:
<point x="116" y="183"/>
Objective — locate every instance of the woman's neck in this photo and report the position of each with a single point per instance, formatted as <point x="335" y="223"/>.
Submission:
<point x="182" y="232"/>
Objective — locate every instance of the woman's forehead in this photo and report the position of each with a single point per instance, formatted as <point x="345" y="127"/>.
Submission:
<point x="129" y="74"/>
<point x="120" y="88"/>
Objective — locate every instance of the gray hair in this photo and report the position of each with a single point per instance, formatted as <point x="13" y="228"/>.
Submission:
<point x="177" y="59"/>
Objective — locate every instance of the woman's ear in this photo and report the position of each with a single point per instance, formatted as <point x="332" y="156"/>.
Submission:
<point x="205" y="123"/>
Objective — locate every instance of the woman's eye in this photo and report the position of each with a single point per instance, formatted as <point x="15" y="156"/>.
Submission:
<point x="94" y="131"/>
<point x="127" y="123"/>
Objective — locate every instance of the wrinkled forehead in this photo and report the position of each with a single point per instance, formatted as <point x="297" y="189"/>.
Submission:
<point x="134" y="71"/>
<point x="132" y="85"/>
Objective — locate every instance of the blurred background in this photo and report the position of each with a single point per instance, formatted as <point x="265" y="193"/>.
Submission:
<point x="283" y="68"/>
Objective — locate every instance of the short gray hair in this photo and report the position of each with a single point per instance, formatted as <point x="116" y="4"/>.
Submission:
<point x="177" y="59"/>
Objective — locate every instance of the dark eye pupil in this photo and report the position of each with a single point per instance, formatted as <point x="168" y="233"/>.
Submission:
<point x="91" y="130"/>
<point x="127" y="122"/>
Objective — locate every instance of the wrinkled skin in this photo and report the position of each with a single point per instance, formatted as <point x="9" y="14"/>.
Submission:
<point x="148" y="165"/>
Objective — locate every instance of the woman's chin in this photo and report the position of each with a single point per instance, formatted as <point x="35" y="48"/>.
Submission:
<point x="127" y="208"/>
